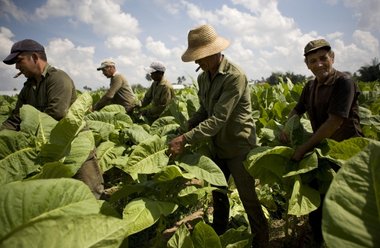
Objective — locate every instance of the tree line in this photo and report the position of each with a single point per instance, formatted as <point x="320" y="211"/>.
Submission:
<point x="366" y="73"/>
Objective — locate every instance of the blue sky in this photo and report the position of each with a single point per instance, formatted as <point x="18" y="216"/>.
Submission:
<point x="266" y="35"/>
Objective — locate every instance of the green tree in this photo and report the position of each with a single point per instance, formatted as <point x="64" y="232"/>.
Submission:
<point x="369" y="73"/>
<point x="278" y="77"/>
<point x="181" y="80"/>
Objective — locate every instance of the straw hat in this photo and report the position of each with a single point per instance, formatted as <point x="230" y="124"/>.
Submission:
<point x="203" y="41"/>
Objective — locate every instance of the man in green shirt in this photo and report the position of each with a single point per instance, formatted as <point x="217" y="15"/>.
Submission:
<point x="225" y="116"/>
<point x="159" y="94"/>
<point x="119" y="92"/>
<point x="50" y="90"/>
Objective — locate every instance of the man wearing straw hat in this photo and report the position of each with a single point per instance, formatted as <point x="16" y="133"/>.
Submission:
<point x="225" y="116"/>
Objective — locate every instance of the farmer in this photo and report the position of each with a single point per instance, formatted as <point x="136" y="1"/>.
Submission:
<point x="225" y="116"/>
<point x="119" y="92"/>
<point x="159" y="94"/>
<point x="330" y="101"/>
<point x="50" y="90"/>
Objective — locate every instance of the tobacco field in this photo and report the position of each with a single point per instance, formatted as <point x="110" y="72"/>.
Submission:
<point x="154" y="200"/>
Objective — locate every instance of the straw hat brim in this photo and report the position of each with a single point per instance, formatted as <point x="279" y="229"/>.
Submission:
<point x="195" y="53"/>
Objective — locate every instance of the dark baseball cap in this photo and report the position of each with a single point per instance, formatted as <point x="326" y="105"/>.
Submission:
<point x="26" y="45"/>
<point x="315" y="45"/>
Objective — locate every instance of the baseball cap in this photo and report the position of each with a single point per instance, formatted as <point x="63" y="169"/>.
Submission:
<point x="156" y="66"/>
<point x="315" y="45"/>
<point x="105" y="63"/>
<point x="26" y="45"/>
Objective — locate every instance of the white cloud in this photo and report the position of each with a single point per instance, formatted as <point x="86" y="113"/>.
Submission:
<point x="366" y="41"/>
<point x="350" y="57"/>
<point x="123" y="42"/>
<point x="77" y="61"/>
<point x="7" y="7"/>
<point x="7" y="71"/>
<point x="157" y="48"/>
<point x="55" y="8"/>
<point x="263" y="40"/>
<point x="106" y="17"/>
<point x="172" y="8"/>
<point x="5" y="41"/>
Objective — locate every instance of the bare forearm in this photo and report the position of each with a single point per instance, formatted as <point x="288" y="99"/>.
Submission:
<point x="102" y="102"/>
<point x="327" y="129"/>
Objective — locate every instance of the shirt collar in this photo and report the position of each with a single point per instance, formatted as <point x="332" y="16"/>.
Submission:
<point x="222" y="66"/>
<point x="331" y="79"/>
<point x="47" y="67"/>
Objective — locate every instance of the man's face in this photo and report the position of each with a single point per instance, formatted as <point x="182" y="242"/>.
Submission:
<point x="156" y="76"/>
<point x="108" y="71"/>
<point x="206" y="63"/>
<point x="320" y="63"/>
<point x="27" y="64"/>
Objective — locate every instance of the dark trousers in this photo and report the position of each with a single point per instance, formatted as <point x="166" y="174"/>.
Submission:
<point x="245" y="185"/>
<point x="90" y="174"/>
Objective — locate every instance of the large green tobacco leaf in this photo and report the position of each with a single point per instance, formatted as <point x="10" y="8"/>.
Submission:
<point x="55" y="213"/>
<point x="111" y="115"/>
<point x="168" y="173"/>
<point x="341" y="151"/>
<point x="101" y="129"/>
<point x="13" y="141"/>
<point x="192" y="195"/>
<point x="107" y="152"/>
<point x="308" y="163"/>
<point x="235" y="238"/>
<point x="204" y="236"/>
<point x="181" y="238"/>
<point x="142" y="213"/>
<point x="92" y="230"/>
<point x="66" y="130"/>
<point x="17" y="156"/>
<point x="137" y="134"/>
<point x="269" y="164"/>
<point x="351" y="213"/>
<point x="163" y="126"/>
<point x="303" y="200"/>
<point x="36" y="123"/>
<point x="24" y="202"/>
<point x="54" y="169"/>
<point x="80" y="149"/>
<point x="179" y="112"/>
<point x="204" y="168"/>
<point x="116" y="108"/>
<point x="295" y="131"/>
<point x="18" y="165"/>
<point x="148" y="157"/>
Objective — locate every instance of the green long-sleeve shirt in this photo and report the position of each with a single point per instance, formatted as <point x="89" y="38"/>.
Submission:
<point x="53" y="95"/>
<point x="159" y="96"/>
<point x="225" y="113"/>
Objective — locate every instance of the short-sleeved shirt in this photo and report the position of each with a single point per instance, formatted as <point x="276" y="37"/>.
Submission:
<point x="119" y="93"/>
<point x="225" y="113"/>
<point x="53" y="95"/>
<point x="159" y="96"/>
<point x="337" y="96"/>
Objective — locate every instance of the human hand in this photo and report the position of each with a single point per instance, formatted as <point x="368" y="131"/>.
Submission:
<point x="283" y="137"/>
<point x="299" y="153"/>
<point x="177" y="145"/>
